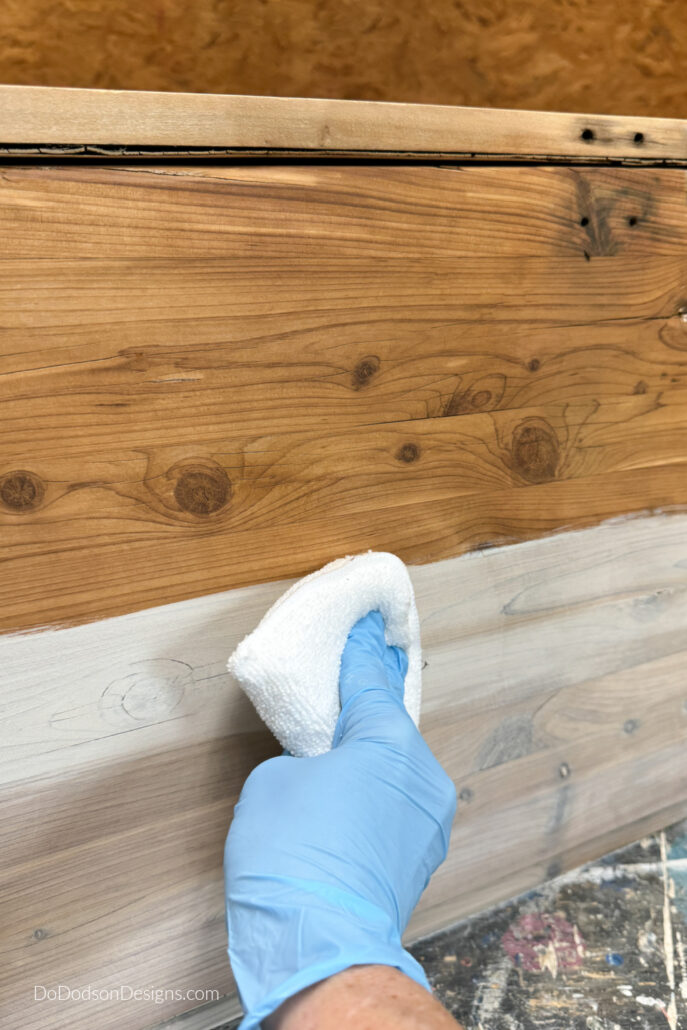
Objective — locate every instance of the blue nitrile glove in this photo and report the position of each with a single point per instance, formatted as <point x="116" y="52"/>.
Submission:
<point x="327" y="857"/>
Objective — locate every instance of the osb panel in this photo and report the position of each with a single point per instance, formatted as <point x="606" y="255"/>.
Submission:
<point x="575" y="55"/>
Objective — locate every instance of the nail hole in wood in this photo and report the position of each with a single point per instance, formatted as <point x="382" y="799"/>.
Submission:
<point x="632" y="220"/>
<point x="584" y="221"/>
<point x="587" y="134"/>
<point x="639" y="137"/>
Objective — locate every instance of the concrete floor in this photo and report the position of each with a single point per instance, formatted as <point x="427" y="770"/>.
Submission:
<point x="601" y="948"/>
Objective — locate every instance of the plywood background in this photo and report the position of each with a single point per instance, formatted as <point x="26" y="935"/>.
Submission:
<point x="575" y="55"/>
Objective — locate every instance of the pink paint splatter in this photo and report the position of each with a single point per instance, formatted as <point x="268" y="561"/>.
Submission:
<point x="537" y="942"/>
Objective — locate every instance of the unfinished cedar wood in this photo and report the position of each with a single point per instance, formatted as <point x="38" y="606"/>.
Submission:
<point x="130" y="742"/>
<point x="79" y="120"/>
<point x="216" y="377"/>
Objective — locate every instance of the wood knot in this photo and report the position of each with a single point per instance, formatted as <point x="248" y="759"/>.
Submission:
<point x="408" y="453"/>
<point x="673" y="332"/>
<point x="202" y="491"/>
<point x="535" y="452"/>
<point x="534" y="364"/>
<point x="481" y="399"/>
<point x="364" y="371"/>
<point x="21" y="491"/>
<point x="484" y="394"/>
<point x="640" y="387"/>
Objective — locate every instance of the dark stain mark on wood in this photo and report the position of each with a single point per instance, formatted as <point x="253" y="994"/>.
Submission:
<point x="630" y="726"/>
<point x="136" y="359"/>
<point x="364" y="371"/>
<point x="535" y="452"/>
<point x="202" y="491"/>
<point x="640" y="387"/>
<point x="513" y="738"/>
<point x="563" y="799"/>
<point x="484" y="394"/>
<point x="408" y="453"/>
<point x="466" y="795"/>
<point x="534" y="364"/>
<point x="605" y="210"/>
<point x="21" y="491"/>
<point x="554" y="869"/>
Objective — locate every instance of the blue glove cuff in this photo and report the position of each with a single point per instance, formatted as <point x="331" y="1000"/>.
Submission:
<point x="341" y="930"/>
<point x="397" y="957"/>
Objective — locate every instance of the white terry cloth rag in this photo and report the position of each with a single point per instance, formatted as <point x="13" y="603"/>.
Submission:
<point x="289" y="665"/>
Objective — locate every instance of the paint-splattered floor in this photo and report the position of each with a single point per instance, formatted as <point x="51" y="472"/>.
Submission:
<point x="601" y="948"/>
<point x="598" y="949"/>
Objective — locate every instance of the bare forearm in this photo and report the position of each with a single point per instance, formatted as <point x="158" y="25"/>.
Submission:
<point x="364" y="997"/>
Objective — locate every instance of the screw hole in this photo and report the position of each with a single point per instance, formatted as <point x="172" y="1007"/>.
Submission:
<point x="632" y="221"/>
<point x="587" y="134"/>
<point x="584" y="221"/>
<point x="639" y="137"/>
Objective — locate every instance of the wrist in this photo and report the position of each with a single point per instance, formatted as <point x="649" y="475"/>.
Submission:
<point x="307" y="932"/>
<point x="371" y="997"/>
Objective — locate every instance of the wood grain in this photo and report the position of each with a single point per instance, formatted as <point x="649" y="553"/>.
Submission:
<point x="215" y="377"/>
<point x="554" y="694"/>
<point x="37" y="116"/>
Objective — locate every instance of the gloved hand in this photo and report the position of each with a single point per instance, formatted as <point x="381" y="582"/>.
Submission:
<point x="327" y="857"/>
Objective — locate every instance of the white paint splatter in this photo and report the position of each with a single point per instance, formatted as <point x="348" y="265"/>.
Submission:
<point x="548" y="958"/>
<point x="490" y="994"/>
<point x="598" y="874"/>
<point x="650" y="1003"/>
<point x="683" y="966"/>
<point x="668" y="943"/>
<point x="647" y="941"/>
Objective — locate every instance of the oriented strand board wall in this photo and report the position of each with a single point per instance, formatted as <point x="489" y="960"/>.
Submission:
<point x="584" y="55"/>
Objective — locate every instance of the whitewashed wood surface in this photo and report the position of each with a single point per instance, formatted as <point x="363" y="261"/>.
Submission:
<point x="554" y="693"/>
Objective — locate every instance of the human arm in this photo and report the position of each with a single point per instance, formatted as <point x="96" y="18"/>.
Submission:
<point x="364" y="997"/>
<point x="327" y="857"/>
